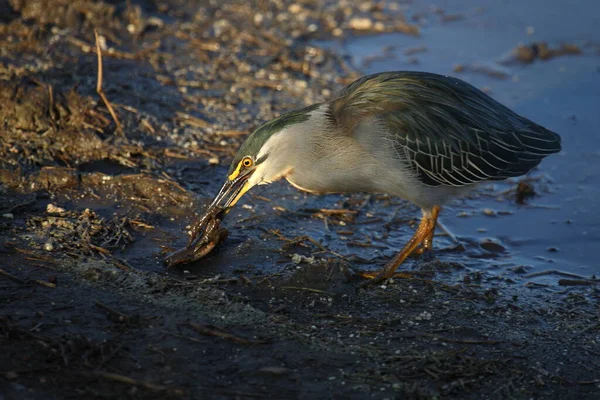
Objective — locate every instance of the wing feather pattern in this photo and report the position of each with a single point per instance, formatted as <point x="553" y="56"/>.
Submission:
<point x="444" y="129"/>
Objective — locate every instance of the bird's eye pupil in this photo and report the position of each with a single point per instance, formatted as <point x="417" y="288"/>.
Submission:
<point x="247" y="162"/>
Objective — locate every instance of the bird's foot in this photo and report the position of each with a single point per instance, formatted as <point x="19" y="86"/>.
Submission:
<point x="373" y="275"/>
<point x="422" y="239"/>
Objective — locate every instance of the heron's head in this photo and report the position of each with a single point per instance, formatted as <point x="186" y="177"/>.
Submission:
<point x="267" y="155"/>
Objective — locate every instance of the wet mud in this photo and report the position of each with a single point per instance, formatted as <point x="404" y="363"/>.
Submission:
<point x="90" y="205"/>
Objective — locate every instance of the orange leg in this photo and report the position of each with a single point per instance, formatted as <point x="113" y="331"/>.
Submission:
<point x="427" y="244"/>
<point x="423" y="235"/>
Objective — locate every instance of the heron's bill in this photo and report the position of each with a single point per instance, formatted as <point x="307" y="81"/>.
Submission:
<point x="231" y="191"/>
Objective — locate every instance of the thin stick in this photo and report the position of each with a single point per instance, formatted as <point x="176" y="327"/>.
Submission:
<point x="119" y="315"/>
<point x="100" y="249"/>
<point x="307" y="289"/>
<point x="13" y="208"/>
<point x="130" y="381"/>
<point x="141" y="224"/>
<point x="23" y="282"/>
<point x="11" y="276"/>
<point x="589" y="382"/>
<point x="45" y="284"/>
<point x="554" y="272"/>
<point x="213" y="332"/>
<point x="447" y="231"/>
<point x="334" y="212"/>
<point x="191" y="339"/>
<point x="453" y="340"/>
<point x="35" y="256"/>
<point x="99" y="86"/>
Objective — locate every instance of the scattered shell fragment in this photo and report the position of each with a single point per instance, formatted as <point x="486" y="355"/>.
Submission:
<point x="360" y="24"/>
<point x="489" y="212"/>
<point x="53" y="209"/>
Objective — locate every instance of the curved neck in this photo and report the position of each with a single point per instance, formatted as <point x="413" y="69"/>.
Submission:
<point x="293" y="148"/>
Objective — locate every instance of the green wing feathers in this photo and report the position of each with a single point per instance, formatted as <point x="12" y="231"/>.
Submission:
<point x="447" y="131"/>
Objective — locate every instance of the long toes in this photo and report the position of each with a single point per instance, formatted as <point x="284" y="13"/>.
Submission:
<point x="373" y="275"/>
<point x="373" y="278"/>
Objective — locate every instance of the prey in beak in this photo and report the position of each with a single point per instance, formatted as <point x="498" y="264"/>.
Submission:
<point x="206" y="232"/>
<point x="231" y="191"/>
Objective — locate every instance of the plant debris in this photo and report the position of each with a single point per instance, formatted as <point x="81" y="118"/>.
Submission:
<point x="542" y="51"/>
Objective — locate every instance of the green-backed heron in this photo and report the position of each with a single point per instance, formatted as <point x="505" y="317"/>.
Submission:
<point x="423" y="137"/>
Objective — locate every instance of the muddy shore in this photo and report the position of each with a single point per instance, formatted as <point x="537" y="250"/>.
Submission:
<point x="91" y="202"/>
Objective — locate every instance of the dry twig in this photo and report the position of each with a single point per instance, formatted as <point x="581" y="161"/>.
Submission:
<point x="99" y="86"/>
<point x="120" y="316"/>
<point x="130" y="381"/>
<point x="204" y="330"/>
<point x="11" y="276"/>
<point x="307" y="289"/>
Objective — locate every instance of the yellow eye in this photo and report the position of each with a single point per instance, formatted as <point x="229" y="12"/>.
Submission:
<point x="247" y="162"/>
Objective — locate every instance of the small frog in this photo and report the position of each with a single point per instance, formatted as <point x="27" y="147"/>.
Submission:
<point x="205" y="235"/>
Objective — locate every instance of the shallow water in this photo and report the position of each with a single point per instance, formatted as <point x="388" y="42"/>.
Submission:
<point x="562" y="94"/>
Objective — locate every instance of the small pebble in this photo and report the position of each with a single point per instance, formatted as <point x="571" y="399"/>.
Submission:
<point x="520" y="269"/>
<point x="53" y="209"/>
<point x="492" y="247"/>
<point x="11" y="375"/>
<point x="360" y="24"/>
<point x="49" y="246"/>
<point x="294" y="8"/>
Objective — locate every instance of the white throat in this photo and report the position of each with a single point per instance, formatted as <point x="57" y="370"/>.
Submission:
<point x="288" y="149"/>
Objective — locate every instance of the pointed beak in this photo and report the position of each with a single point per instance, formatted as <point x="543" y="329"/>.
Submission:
<point x="231" y="191"/>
